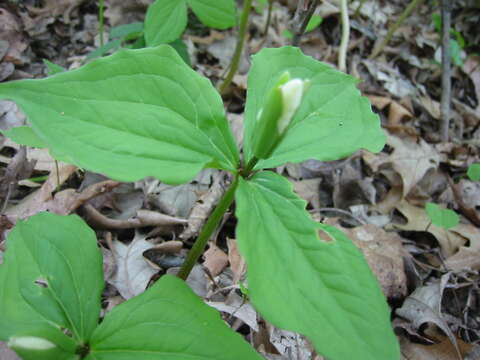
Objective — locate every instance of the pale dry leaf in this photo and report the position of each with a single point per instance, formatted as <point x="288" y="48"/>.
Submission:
<point x="291" y="345"/>
<point x="384" y="254"/>
<point x="215" y="259"/>
<point x="237" y="307"/>
<point x="424" y="306"/>
<point x="441" y="351"/>
<point x="133" y="272"/>
<point x="309" y="190"/>
<point x="412" y="160"/>
<point x="6" y="353"/>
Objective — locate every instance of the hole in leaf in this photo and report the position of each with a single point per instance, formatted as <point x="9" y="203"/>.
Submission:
<point x="324" y="236"/>
<point x="41" y="282"/>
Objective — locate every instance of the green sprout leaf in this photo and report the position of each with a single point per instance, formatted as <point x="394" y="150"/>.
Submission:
<point x="166" y="19"/>
<point x="332" y="122"/>
<point x="473" y="172"/>
<point x="53" y="68"/>
<point x="45" y="286"/>
<point x="168" y="321"/>
<point x="324" y="290"/>
<point x="134" y="114"/>
<point x="444" y="218"/>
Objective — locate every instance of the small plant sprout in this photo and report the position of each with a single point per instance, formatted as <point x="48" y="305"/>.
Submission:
<point x="145" y="112"/>
<point x="444" y="218"/>
<point x="473" y="172"/>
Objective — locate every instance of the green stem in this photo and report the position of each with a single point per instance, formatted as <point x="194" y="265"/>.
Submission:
<point x="101" y="21"/>
<point x="239" y="48"/>
<point x="208" y="229"/>
<point x="406" y="13"/>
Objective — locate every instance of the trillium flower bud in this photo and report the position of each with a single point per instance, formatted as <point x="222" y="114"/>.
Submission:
<point x="281" y="104"/>
<point x="30" y="343"/>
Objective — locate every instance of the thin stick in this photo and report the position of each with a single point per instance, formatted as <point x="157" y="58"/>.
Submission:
<point x="406" y="13"/>
<point x="101" y="21"/>
<point x="446" y="70"/>
<point x="207" y="231"/>
<point x="342" y="52"/>
<point x="304" y="12"/>
<point x="239" y="48"/>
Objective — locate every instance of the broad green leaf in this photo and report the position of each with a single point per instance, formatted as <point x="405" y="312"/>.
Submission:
<point x="165" y="21"/>
<point x="444" y="218"/>
<point x="167" y="322"/>
<point x="59" y="271"/>
<point x="473" y="172"/>
<point x="24" y="135"/>
<point x="324" y="290"/>
<point x="219" y="14"/>
<point x="51" y="279"/>
<point x="134" y="114"/>
<point x="111" y="45"/>
<point x="333" y="121"/>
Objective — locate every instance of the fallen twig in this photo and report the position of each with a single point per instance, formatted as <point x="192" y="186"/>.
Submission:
<point x="446" y="70"/>
<point x="406" y="13"/>
<point x="143" y="218"/>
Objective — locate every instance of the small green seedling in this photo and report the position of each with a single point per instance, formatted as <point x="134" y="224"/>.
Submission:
<point x="444" y="218"/>
<point x="144" y="112"/>
<point x="167" y="19"/>
<point x="473" y="172"/>
<point x="456" y="45"/>
<point x="314" y="22"/>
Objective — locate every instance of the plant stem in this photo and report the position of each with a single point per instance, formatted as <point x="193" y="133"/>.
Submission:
<point x="406" y="13"/>
<point x="269" y="18"/>
<point x="342" y="52"/>
<point x="208" y="229"/>
<point x="446" y="70"/>
<point x="247" y="6"/>
<point x="101" y="21"/>
<point x="304" y="12"/>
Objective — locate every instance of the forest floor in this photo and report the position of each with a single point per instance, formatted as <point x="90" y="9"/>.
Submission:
<point x="429" y="274"/>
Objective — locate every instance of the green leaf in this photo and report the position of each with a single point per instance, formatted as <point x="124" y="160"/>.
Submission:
<point x="444" y="218"/>
<point x="111" y="45"/>
<point x="167" y="322"/>
<point x="53" y="68"/>
<point x="24" y="135"/>
<point x="333" y="120"/>
<point x="219" y="14"/>
<point x="51" y="279"/>
<point x="134" y="114"/>
<point x="165" y="21"/>
<point x="52" y="253"/>
<point x="126" y="30"/>
<point x="324" y="290"/>
<point x="182" y="50"/>
<point x="473" y="172"/>
<point x="313" y="23"/>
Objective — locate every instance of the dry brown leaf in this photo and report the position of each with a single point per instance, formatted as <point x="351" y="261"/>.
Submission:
<point x="237" y="263"/>
<point x="384" y="254"/>
<point x="441" y="351"/>
<point x="236" y="306"/>
<point x="215" y="259"/>
<point x="308" y="190"/>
